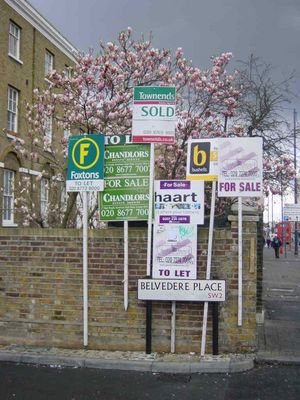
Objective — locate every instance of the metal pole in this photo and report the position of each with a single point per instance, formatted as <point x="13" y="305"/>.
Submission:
<point x="85" y="267"/>
<point x="173" y="326"/>
<point x="151" y="178"/>
<point x="272" y="216"/>
<point x="215" y="328"/>
<point x="240" y="262"/>
<point x="149" y="253"/>
<point x="208" y="264"/>
<point x="125" y="265"/>
<point x="295" y="187"/>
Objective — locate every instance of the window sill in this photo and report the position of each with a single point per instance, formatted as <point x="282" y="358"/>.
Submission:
<point x="48" y="81"/>
<point x="15" y="58"/>
<point x="7" y="224"/>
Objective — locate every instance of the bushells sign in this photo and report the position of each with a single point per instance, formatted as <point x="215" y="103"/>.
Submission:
<point x="126" y="193"/>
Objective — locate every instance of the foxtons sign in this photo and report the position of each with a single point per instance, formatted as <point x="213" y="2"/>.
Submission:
<point x="154" y="115"/>
<point x="85" y="163"/>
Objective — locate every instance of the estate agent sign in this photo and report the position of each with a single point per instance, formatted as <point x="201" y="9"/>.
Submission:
<point x="240" y="167"/>
<point x="154" y="114"/>
<point x="175" y="251"/>
<point x="179" y="202"/>
<point x="202" y="159"/>
<point x="85" y="163"/>
<point x="126" y="193"/>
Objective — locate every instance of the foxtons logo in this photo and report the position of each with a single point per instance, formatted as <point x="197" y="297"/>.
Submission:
<point x="85" y="153"/>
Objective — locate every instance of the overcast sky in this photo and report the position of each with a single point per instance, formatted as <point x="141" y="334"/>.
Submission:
<point x="268" y="28"/>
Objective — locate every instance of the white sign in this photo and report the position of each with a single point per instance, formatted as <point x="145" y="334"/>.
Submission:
<point x="177" y="290"/>
<point x="179" y="202"/>
<point x="202" y="160"/>
<point x="240" y="167"/>
<point x="174" y="251"/>
<point x="291" y="212"/>
<point x="154" y="114"/>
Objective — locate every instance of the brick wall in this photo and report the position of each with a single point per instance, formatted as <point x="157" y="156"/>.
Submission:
<point x="41" y="291"/>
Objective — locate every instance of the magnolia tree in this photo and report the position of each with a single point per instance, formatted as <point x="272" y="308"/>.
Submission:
<point x="96" y="95"/>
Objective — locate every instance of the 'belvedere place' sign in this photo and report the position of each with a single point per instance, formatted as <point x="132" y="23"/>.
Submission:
<point x="85" y="163"/>
<point x="178" y="290"/>
<point x="154" y="114"/>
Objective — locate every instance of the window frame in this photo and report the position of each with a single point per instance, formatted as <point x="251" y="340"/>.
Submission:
<point x="12" y="112"/>
<point x="48" y="132"/>
<point x="14" y="40"/>
<point x="44" y="199"/>
<point x="49" y="62"/>
<point x="8" y="208"/>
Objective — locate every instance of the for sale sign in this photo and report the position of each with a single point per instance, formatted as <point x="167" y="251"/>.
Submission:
<point x="154" y="114"/>
<point x="85" y="163"/>
<point x="240" y="167"/>
<point x="126" y="193"/>
<point x="179" y="202"/>
<point x="175" y="251"/>
<point x="202" y="160"/>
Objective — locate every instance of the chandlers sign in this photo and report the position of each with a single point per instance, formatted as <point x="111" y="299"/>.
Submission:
<point x="154" y="114"/>
<point x="202" y="159"/>
<point x="126" y="193"/>
<point x="240" y="167"/>
<point x="85" y="163"/>
<point x="179" y="202"/>
<point x="174" y="251"/>
<point x="179" y="290"/>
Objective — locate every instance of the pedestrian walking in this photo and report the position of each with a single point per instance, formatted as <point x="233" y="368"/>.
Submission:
<point x="276" y="244"/>
<point x="268" y="241"/>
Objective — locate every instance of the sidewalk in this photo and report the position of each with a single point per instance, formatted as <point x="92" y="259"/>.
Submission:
<point x="134" y="361"/>
<point x="279" y="336"/>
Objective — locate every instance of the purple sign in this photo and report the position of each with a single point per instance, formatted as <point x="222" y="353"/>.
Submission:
<point x="174" y="219"/>
<point x="175" y="185"/>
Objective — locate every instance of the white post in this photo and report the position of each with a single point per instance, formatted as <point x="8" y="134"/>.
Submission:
<point x="85" y="267"/>
<point x="208" y="264"/>
<point x="125" y="265"/>
<point x="151" y="179"/>
<point x="173" y="326"/>
<point x="240" y="262"/>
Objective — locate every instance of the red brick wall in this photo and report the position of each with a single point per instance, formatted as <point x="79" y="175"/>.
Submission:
<point x="41" y="291"/>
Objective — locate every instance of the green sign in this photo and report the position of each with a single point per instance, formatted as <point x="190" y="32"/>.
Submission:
<point x="126" y="193"/>
<point x="85" y="163"/>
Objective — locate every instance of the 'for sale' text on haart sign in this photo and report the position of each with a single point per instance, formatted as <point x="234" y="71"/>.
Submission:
<point x="240" y="167"/>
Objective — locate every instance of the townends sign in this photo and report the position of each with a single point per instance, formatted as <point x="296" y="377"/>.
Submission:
<point x="85" y="163"/>
<point x="179" y="290"/>
<point x="154" y="114"/>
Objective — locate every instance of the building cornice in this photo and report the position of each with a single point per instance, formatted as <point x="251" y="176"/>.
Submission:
<point x="30" y="14"/>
